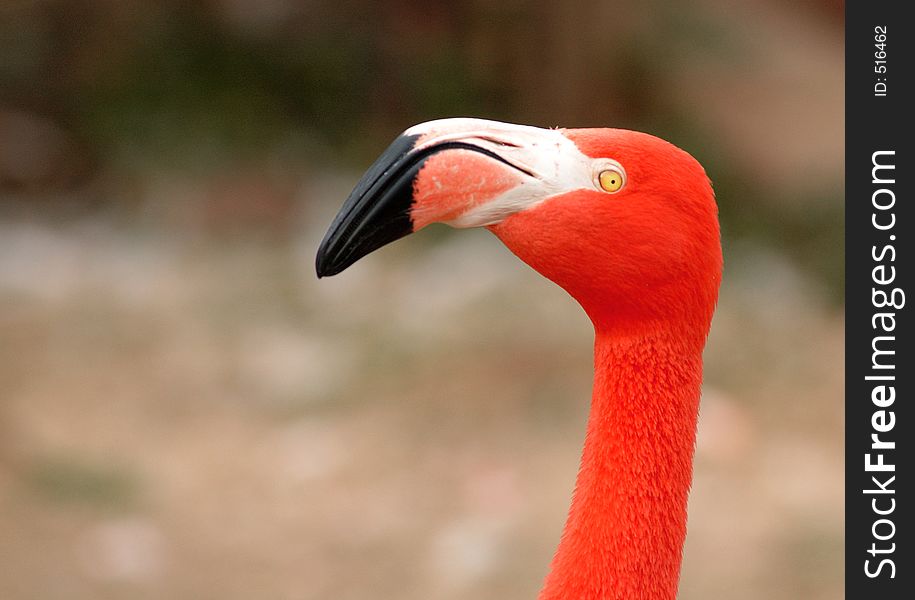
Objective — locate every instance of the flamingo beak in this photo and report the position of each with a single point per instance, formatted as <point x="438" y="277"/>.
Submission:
<point x="462" y="172"/>
<point x="377" y="211"/>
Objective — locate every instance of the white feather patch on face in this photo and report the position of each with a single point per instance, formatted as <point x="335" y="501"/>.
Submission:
<point x="555" y="163"/>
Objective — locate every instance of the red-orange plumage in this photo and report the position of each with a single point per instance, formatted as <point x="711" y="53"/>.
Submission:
<point x="644" y="261"/>
<point x="645" y="264"/>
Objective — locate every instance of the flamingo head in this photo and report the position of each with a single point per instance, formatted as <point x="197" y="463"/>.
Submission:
<point x="624" y="221"/>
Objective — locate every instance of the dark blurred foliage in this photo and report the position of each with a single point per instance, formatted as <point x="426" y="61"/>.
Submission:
<point x="90" y="87"/>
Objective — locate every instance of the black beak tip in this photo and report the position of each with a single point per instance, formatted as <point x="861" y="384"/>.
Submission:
<point x="324" y="266"/>
<point x="377" y="211"/>
<point x="320" y="269"/>
<point x="323" y="272"/>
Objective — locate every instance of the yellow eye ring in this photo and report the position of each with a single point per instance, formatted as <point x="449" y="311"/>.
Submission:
<point x="610" y="180"/>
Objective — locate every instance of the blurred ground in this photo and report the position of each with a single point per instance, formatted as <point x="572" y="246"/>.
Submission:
<point x="185" y="412"/>
<point x="183" y="421"/>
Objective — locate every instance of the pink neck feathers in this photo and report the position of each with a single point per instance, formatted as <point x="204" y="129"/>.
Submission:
<point x="624" y="536"/>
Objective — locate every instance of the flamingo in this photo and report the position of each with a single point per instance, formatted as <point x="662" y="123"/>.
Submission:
<point x="627" y="224"/>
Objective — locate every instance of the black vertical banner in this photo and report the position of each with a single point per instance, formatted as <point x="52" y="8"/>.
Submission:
<point x="880" y="372"/>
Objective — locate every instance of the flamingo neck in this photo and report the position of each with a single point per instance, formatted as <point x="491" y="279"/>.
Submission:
<point x="623" y="539"/>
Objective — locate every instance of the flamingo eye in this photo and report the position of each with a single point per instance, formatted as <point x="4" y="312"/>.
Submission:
<point x="611" y="180"/>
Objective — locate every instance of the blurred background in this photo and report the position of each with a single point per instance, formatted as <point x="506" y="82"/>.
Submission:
<point x="186" y="412"/>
